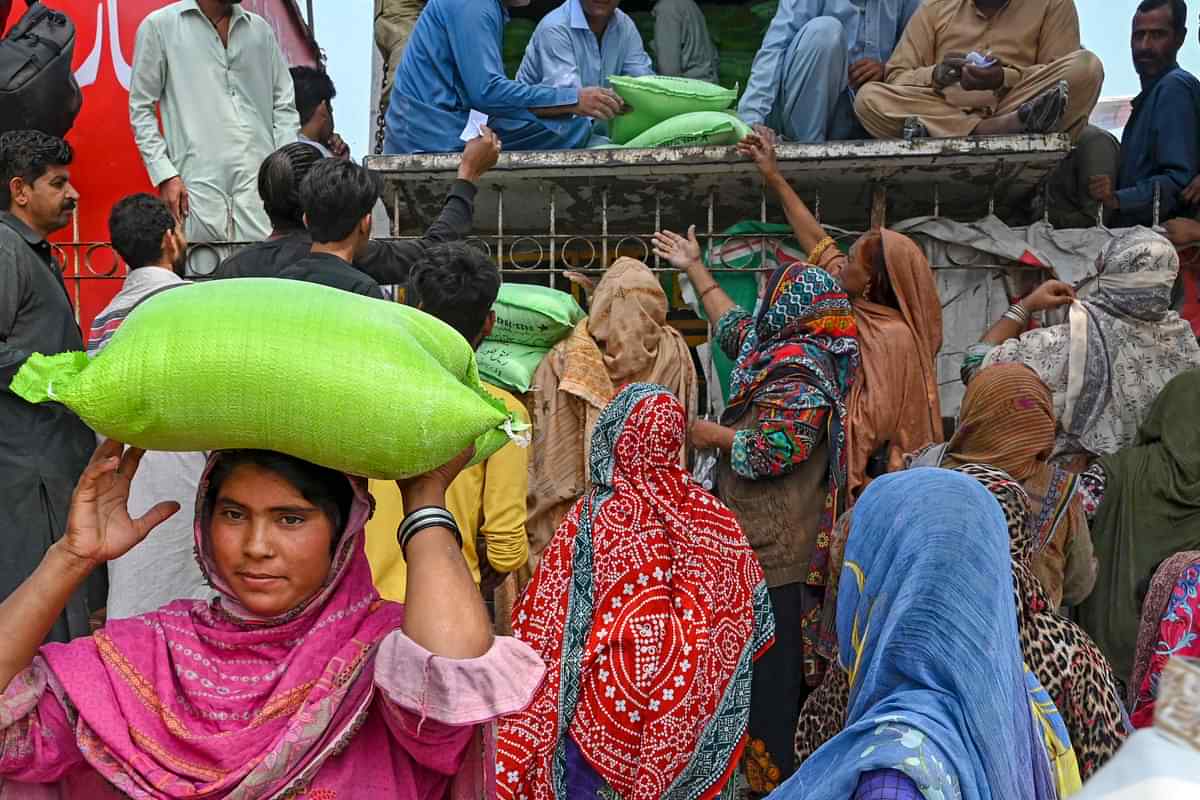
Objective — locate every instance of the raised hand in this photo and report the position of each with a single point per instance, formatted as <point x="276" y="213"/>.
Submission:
<point x="1049" y="295"/>
<point x="760" y="148"/>
<point x="99" y="527"/>
<point x="680" y="253"/>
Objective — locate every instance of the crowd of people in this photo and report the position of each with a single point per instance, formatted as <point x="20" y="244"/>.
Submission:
<point x="867" y="604"/>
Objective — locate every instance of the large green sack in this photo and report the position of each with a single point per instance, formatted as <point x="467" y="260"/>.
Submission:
<point x="655" y="98"/>
<point x="536" y="316"/>
<point x="699" y="128"/>
<point x="509" y="366"/>
<point x="359" y="385"/>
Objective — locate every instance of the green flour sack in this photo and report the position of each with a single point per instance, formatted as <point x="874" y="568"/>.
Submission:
<point x="509" y="366"/>
<point x="699" y="128"/>
<point x="656" y="98"/>
<point x="537" y="316"/>
<point x="359" y="385"/>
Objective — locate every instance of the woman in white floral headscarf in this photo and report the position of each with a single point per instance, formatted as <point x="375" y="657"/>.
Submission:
<point x="1109" y="361"/>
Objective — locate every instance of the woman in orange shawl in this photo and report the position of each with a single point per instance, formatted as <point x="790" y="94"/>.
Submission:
<point x="894" y="406"/>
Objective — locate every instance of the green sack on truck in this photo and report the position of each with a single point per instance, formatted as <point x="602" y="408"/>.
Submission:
<point x="699" y="128"/>
<point x="509" y="366"/>
<point x="358" y="385"/>
<point x="537" y="316"/>
<point x="655" y="98"/>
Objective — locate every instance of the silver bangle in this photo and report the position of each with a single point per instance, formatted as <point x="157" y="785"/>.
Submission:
<point x="1017" y="313"/>
<point x="424" y="518"/>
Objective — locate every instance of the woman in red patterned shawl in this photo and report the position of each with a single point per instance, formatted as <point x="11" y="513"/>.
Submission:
<point x="1170" y="628"/>
<point x="297" y="681"/>
<point x="648" y="608"/>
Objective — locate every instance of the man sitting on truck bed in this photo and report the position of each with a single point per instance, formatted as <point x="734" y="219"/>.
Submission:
<point x="581" y="43"/>
<point x="985" y="67"/>
<point x="815" y="56"/>
<point x="388" y="263"/>
<point x="452" y="66"/>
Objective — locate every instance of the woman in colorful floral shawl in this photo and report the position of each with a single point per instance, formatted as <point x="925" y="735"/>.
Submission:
<point x="928" y="638"/>
<point x="1120" y="347"/>
<point x="783" y="469"/>
<point x="649" y="609"/>
<point x="297" y="680"/>
<point x="1170" y="627"/>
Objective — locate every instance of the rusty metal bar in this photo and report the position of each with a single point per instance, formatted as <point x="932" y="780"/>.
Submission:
<point x="657" y="223"/>
<point x="878" y="206"/>
<point x="604" y="225"/>
<point x="553" y="229"/>
<point x="500" y="227"/>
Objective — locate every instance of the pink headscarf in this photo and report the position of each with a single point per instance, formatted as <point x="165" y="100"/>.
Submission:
<point x="208" y="700"/>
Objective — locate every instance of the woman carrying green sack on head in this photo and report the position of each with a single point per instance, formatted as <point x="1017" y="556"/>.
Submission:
<point x="296" y="679"/>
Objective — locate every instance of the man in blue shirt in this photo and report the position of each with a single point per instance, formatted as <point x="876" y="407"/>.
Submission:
<point x="1161" y="144"/>
<point x="581" y="43"/>
<point x="452" y="65"/>
<point x="815" y="56"/>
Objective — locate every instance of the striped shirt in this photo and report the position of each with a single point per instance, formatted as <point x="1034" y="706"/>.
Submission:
<point x="140" y="284"/>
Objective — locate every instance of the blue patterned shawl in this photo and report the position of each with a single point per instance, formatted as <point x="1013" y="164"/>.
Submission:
<point x="927" y="631"/>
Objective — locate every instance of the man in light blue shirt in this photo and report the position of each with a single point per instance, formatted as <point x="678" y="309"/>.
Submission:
<point x="452" y="66"/>
<point x="581" y="43"/>
<point x="815" y="56"/>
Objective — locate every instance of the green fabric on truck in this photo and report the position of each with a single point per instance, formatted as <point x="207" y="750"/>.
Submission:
<point x="364" y="386"/>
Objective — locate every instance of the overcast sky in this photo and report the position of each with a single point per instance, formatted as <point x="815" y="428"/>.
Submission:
<point x="344" y="31"/>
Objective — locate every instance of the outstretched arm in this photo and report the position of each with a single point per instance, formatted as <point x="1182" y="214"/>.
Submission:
<point x="760" y="147"/>
<point x="98" y="530"/>
<point x="684" y="255"/>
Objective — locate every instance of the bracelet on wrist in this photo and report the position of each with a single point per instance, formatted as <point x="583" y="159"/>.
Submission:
<point x="423" y="519"/>
<point x="818" y="251"/>
<point x="1017" y="313"/>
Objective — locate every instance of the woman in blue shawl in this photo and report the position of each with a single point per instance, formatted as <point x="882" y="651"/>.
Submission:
<point x="927" y="632"/>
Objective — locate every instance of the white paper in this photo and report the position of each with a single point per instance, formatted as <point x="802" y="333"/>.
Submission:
<point x="475" y="121"/>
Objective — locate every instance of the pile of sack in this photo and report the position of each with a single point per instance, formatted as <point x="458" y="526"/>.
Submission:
<point x="530" y="320"/>
<point x="375" y="389"/>
<point x="674" y="112"/>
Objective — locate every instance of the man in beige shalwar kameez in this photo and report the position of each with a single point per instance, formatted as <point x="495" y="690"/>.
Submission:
<point x="1041" y="81"/>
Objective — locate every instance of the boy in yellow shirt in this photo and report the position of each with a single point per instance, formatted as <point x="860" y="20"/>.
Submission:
<point x="458" y="284"/>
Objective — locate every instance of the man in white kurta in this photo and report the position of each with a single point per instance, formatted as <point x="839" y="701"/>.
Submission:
<point x="223" y="89"/>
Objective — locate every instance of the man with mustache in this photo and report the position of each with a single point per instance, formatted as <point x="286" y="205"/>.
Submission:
<point x="43" y="448"/>
<point x="1161" y="143"/>
<point x="215" y="73"/>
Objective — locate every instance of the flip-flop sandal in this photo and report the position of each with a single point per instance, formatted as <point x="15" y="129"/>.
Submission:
<point x="915" y="129"/>
<point x="1044" y="113"/>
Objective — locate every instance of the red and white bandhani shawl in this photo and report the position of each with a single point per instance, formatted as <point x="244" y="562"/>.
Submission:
<point x="648" y="609"/>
